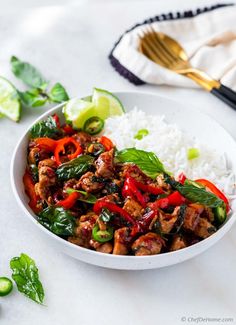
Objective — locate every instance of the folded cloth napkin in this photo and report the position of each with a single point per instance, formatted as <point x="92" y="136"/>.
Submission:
<point x="208" y="35"/>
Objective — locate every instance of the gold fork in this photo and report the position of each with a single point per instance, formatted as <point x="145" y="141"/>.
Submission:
<point x="168" y="53"/>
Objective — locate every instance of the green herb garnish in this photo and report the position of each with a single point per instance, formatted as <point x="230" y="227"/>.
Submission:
<point x="57" y="220"/>
<point x="74" y="168"/>
<point x="141" y="134"/>
<point x="193" y="153"/>
<point x="46" y="128"/>
<point x="25" y="274"/>
<point x="146" y="161"/>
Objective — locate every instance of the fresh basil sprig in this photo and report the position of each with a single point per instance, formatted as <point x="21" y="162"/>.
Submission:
<point x="146" y="161"/>
<point x="37" y="95"/>
<point x="28" y="73"/>
<point x="85" y="197"/>
<point x="74" y="168"/>
<point x="46" y="128"/>
<point x="195" y="193"/>
<point x="26" y="276"/>
<point x="57" y="220"/>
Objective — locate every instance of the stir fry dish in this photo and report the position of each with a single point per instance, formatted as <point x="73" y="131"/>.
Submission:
<point x="118" y="202"/>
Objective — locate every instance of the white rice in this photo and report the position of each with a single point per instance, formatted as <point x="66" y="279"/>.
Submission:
<point x="171" y="145"/>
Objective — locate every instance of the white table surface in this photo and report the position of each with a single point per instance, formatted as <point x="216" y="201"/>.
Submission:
<point x="70" y="43"/>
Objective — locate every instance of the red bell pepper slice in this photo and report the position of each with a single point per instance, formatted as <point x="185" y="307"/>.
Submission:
<point x="47" y="144"/>
<point x="130" y="189"/>
<point x="100" y="204"/>
<point x="174" y="199"/>
<point x="148" y="188"/>
<point x="69" y="201"/>
<point x="30" y="191"/>
<point x="182" y="178"/>
<point x="107" y="143"/>
<point x="57" y="120"/>
<point x="212" y="188"/>
<point x="68" y="129"/>
<point x="60" y="148"/>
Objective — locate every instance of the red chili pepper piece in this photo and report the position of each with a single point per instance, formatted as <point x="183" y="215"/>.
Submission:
<point x="57" y="120"/>
<point x="130" y="189"/>
<point x="182" y="178"/>
<point x="107" y="143"/>
<point x="60" y="148"/>
<point x="68" y="129"/>
<point x="148" y="188"/>
<point x="212" y="188"/>
<point x="30" y="191"/>
<point x="47" y="144"/>
<point x="100" y="204"/>
<point x="173" y="199"/>
<point x="69" y="201"/>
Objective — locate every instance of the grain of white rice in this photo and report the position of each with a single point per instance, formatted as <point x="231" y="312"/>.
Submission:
<point x="170" y="144"/>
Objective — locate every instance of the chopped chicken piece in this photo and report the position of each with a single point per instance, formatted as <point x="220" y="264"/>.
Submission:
<point x="148" y="244"/>
<point x="121" y="241"/>
<point x="88" y="182"/>
<point x="105" y="164"/>
<point x="167" y="220"/>
<point x="177" y="243"/>
<point x="133" y="208"/>
<point x="204" y="228"/>
<point x="191" y="218"/>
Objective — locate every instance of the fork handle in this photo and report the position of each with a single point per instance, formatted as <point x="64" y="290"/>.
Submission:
<point x="225" y="94"/>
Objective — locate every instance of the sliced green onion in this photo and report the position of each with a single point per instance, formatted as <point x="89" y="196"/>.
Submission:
<point x="5" y="286"/>
<point x="193" y="153"/>
<point x="102" y="236"/>
<point x="141" y="134"/>
<point x="93" y="125"/>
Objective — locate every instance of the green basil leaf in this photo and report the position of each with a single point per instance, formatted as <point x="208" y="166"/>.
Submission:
<point x="74" y="168"/>
<point x="146" y="161"/>
<point x="194" y="192"/>
<point x="57" y="220"/>
<point x="26" y="276"/>
<point x="86" y="197"/>
<point x="58" y="94"/>
<point x="28" y="73"/>
<point x="47" y="128"/>
<point x="33" y="98"/>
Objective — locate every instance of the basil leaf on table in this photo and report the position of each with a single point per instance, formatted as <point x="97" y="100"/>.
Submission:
<point x="75" y="167"/>
<point x="58" y="94"/>
<point x="146" y="161"/>
<point x="47" y="128"/>
<point x="26" y="276"/>
<point x="32" y="98"/>
<point x="195" y="193"/>
<point x="85" y="197"/>
<point x="28" y="73"/>
<point x="57" y="220"/>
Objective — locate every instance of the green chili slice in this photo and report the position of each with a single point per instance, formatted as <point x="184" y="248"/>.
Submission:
<point x="102" y="236"/>
<point x="93" y="125"/>
<point x="5" y="286"/>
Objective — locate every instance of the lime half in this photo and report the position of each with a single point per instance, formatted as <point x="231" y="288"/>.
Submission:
<point x="10" y="105"/>
<point x="102" y="104"/>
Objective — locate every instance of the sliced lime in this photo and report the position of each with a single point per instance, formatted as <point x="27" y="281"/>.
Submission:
<point x="107" y="102"/>
<point x="78" y="111"/>
<point x="101" y="104"/>
<point x="10" y="105"/>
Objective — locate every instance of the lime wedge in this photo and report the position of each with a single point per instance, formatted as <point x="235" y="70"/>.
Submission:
<point x="78" y="111"/>
<point x="106" y="101"/>
<point x="102" y="104"/>
<point x="10" y="105"/>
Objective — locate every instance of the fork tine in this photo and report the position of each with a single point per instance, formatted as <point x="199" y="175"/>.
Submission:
<point x="148" y="41"/>
<point x="147" y="50"/>
<point x="160" y="46"/>
<point x="148" y="47"/>
<point x="163" y="45"/>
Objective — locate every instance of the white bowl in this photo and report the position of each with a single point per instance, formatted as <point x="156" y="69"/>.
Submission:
<point x="189" y="120"/>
